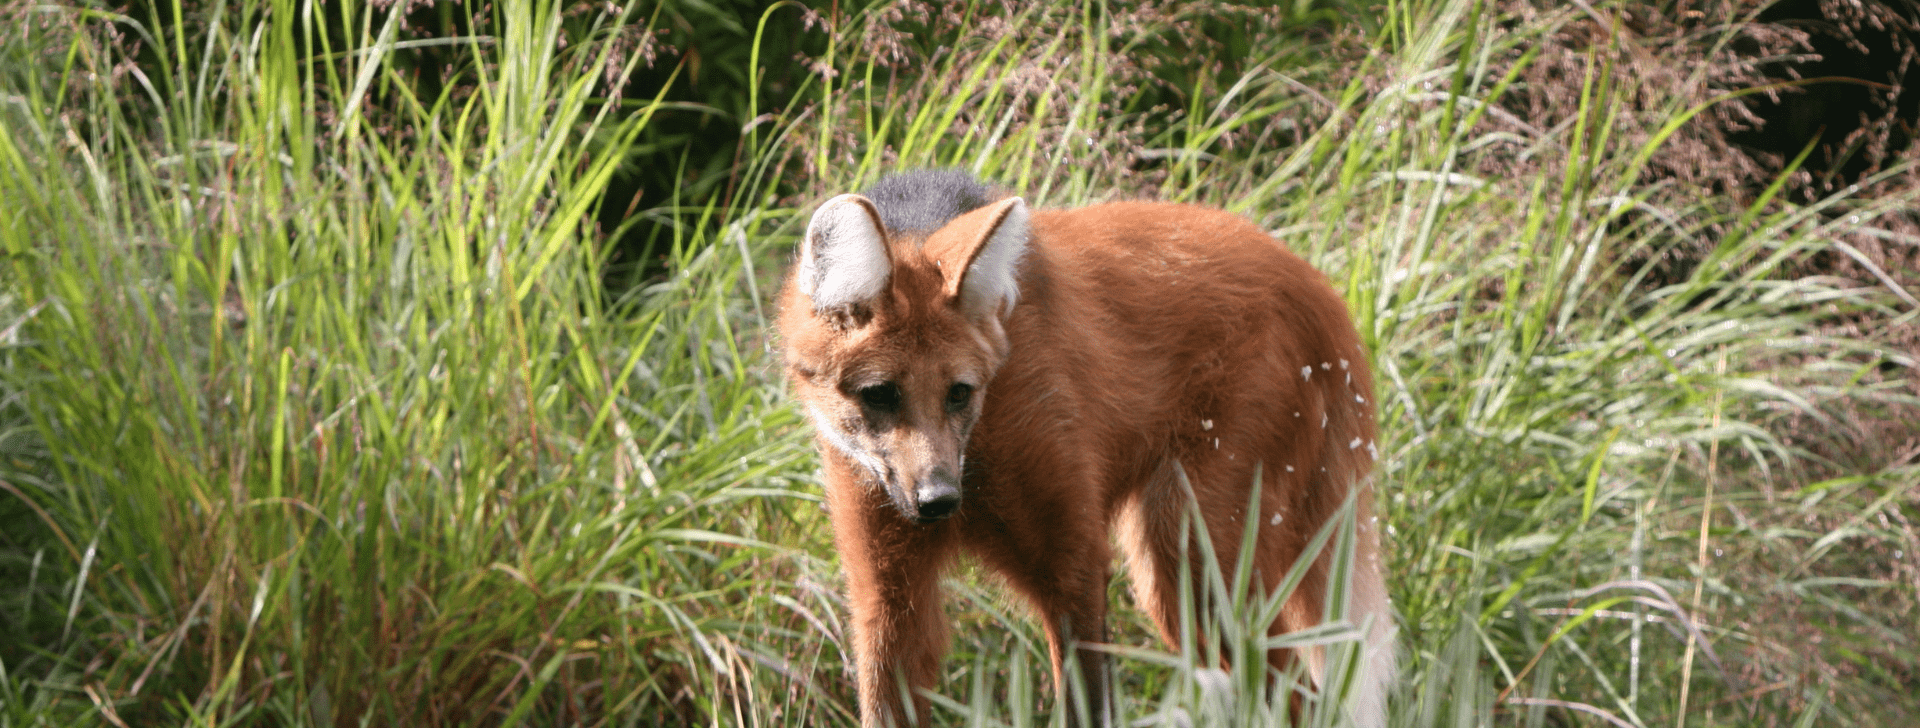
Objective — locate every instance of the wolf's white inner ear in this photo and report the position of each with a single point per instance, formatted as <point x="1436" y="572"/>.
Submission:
<point x="990" y="283"/>
<point x="843" y="258"/>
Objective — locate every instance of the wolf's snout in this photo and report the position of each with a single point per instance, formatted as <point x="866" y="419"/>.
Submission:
<point x="936" y="498"/>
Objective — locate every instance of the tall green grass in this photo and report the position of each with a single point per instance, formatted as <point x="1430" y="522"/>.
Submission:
<point x="320" y="415"/>
<point x="333" y="422"/>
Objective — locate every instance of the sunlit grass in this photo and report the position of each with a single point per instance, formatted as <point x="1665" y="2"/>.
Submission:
<point x="332" y="418"/>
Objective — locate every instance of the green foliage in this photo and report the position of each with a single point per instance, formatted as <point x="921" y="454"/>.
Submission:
<point x="333" y="423"/>
<point x="313" y="409"/>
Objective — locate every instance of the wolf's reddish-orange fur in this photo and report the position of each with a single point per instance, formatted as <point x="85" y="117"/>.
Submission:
<point x="1143" y="335"/>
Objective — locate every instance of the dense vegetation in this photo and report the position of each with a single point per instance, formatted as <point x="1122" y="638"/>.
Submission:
<point x="380" y="365"/>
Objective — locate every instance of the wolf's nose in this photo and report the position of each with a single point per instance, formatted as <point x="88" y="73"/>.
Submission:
<point x="938" y="498"/>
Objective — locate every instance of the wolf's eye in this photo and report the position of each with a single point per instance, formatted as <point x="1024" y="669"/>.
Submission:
<point x="959" y="396"/>
<point x="881" y="397"/>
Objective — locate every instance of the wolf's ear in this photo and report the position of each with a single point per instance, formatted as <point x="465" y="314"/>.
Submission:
<point x="991" y="242"/>
<point x="843" y="258"/>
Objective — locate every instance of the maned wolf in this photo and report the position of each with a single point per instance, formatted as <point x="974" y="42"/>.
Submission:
<point x="1020" y="384"/>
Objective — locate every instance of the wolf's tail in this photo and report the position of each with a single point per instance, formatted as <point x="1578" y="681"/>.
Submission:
<point x="1370" y="607"/>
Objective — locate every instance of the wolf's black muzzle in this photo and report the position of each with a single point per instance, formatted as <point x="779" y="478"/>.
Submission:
<point x="936" y="498"/>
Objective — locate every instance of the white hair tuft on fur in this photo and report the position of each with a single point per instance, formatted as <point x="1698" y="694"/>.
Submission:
<point x="1381" y="656"/>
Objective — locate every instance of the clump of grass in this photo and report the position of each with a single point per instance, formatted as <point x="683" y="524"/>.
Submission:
<point x="332" y="422"/>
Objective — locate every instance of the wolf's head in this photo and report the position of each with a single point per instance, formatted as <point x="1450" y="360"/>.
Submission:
<point x="892" y="336"/>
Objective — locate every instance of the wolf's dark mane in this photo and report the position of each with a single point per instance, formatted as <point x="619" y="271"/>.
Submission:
<point x="925" y="200"/>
